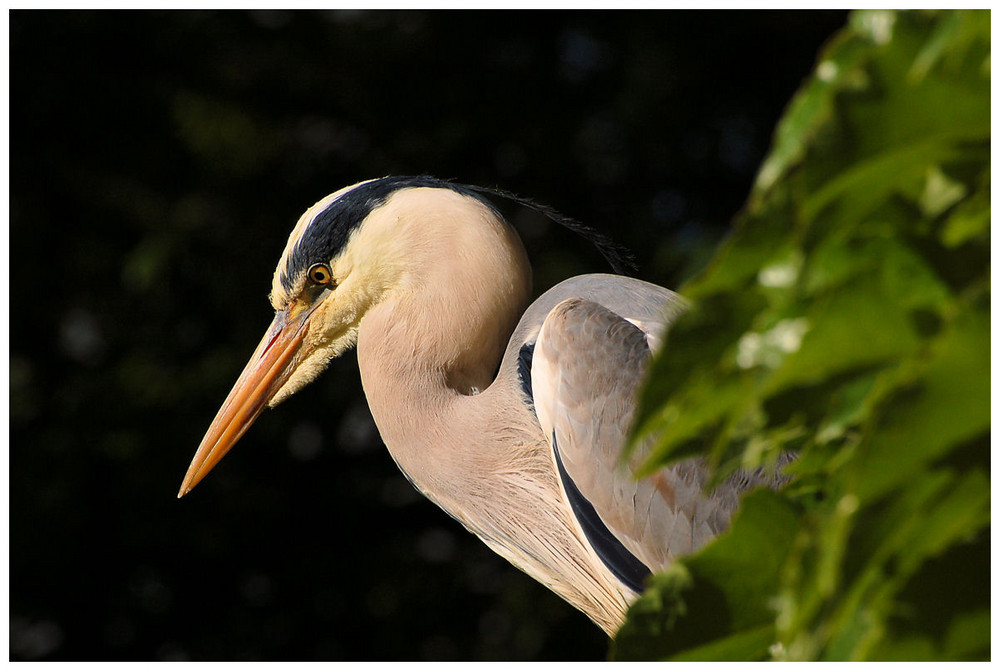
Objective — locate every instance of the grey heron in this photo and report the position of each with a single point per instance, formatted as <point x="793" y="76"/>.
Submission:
<point x="511" y="419"/>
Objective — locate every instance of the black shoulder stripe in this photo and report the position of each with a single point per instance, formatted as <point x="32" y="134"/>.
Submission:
<point x="615" y="556"/>
<point x="524" y="368"/>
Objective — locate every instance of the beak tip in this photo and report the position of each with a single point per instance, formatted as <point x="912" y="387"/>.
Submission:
<point x="258" y="386"/>
<point x="186" y="486"/>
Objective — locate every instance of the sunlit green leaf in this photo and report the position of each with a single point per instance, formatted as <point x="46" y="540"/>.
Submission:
<point x="847" y="321"/>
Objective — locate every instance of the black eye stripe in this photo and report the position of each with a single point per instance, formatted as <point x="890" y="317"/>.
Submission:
<point x="328" y="232"/>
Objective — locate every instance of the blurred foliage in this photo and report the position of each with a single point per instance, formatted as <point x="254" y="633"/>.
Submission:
<point x="846" y="320"/>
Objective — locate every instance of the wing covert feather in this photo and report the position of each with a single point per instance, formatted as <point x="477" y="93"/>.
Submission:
<point x="588" y="363"/>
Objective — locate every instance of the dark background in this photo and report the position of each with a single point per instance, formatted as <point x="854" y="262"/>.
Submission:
<point x="158" y="162"/>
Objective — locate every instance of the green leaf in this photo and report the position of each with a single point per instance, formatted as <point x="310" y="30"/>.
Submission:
<point x="948" y="406"/>
<point x="719" y="601"/>
<point x="743" y="645"/>
<point x="968" y="221"/>
<point x="846" y="320"/>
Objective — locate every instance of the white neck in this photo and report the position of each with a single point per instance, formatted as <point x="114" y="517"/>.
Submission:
<point x="424" y="350"/>
<point x="436" y="338"/>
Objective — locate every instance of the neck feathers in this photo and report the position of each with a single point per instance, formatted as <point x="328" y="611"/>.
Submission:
<point x="457" y="280"/>
<point x="425" y="350"/>
<point x="460" y="281"/>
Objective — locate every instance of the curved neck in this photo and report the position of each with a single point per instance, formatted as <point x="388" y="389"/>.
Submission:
<point x="437" y="337"/>
<point x="425" y="350"/>
<point x="481" y="458"/>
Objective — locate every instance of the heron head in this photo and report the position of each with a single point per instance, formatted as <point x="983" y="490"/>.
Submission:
<point x="344" y="255"/>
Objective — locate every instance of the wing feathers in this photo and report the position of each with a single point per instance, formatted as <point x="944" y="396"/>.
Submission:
<point x="585" y="369"/>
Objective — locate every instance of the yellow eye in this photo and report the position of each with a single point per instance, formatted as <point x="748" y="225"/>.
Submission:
<point x="320" y="274"/>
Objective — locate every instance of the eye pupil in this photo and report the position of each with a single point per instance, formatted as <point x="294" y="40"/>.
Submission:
<point x="320" y="274"/>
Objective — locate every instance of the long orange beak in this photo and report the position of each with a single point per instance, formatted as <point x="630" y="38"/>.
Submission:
<point x="269" y="368"/>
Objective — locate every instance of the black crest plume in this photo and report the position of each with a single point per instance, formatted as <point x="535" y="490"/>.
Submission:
<point x="330" y="229"/>
<point x="618" y="256"/>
